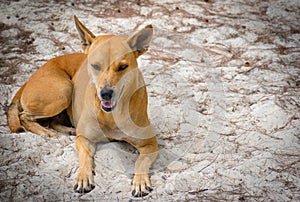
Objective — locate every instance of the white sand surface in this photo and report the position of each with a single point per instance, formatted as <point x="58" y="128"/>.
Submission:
<point x="223" y="80"/>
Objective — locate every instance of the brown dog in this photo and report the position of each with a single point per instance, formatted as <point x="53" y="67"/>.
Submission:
<point x="105" y="96"/>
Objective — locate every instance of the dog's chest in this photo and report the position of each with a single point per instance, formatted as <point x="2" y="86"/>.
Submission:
<point x="115" y="134"/>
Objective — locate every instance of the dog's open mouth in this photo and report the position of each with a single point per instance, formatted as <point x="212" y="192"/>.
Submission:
<point x="108" y="106"/>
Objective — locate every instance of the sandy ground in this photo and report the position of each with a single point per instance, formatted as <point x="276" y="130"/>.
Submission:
<point x="224" y="99"/>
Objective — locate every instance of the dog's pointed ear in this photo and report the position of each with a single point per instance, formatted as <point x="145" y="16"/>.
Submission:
<point x="86" y="36"/>
<point x="140" y="41"/>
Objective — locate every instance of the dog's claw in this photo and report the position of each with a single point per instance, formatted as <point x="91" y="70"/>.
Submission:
<point x="141" y="185"/>
<point x="20" y="130"/>
<point x="72" y="133"/>
<point x="150" y="189"/>
<point x="139" y="194"/>
<point x="84" y="183"/>
<point x="84" y="190"/>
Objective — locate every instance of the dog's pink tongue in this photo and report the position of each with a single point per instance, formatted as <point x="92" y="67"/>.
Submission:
<point x="107" y="104"/>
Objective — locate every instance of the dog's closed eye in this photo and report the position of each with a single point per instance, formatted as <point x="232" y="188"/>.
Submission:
<point x="96" y="67"/>
<point x="122" y="67"/>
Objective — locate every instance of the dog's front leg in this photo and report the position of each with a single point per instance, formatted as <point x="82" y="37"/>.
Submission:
<point x="86" y="151"/>
<point x="148" y="150"/>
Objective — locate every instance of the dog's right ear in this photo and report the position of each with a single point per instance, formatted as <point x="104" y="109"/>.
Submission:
<point x="86" y="36"/>
<point x="139" y="42"/>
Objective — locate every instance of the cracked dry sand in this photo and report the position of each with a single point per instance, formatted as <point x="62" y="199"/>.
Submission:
<point x="223" y="82"/>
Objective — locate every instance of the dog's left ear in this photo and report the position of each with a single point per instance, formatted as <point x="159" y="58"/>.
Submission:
<point x="86" y="36"/>
<point x="140" y="41"/>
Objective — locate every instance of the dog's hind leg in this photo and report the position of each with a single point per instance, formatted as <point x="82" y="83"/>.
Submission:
<point x="43" y="101"/>
<point x="62" y="123"/>
<point x="30" y="123"/>
<point x="55" y="124"/>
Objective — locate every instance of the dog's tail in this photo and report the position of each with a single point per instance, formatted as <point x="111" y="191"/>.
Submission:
<point x="13" y="111"/>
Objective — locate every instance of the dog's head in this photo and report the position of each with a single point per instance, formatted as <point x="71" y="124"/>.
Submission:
<point x="112" y="62"/>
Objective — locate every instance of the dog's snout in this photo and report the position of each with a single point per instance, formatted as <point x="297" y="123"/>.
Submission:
<point x="106" y="94"/>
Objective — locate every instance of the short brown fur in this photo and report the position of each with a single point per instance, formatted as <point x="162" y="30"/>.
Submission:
<point x="77" y="83"/>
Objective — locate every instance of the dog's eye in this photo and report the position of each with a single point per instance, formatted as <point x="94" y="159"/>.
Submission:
<point x="122" y="67"/>
<point x="96" y="67"/>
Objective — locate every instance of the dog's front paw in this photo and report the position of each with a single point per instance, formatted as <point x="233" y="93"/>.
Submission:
<point x="141" y="185"/>
<point x="84" y="182"/>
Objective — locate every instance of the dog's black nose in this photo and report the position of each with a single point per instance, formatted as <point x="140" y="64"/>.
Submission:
<point x="106" y="94"/>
